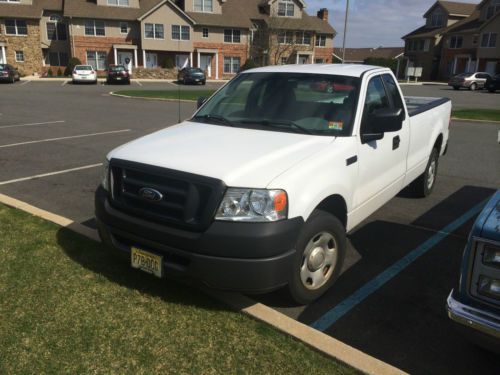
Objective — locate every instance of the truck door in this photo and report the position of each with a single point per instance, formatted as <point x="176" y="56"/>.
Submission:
<point x="382" y="162"/>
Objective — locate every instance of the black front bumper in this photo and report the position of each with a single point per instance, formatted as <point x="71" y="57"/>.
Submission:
<point x="247" y="257"/>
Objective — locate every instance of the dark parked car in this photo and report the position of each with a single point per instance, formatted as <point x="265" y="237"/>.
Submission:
<point x="191" y="75"/>
<point x="8" y="73"/>
<point x="475" y="305"/>
<point x="118" y="74"/>
<point x="493" y="83"/>
<point x="471" y="81"/>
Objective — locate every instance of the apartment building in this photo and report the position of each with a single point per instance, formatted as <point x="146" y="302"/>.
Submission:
<point x="457" y="37"/>
<point x="215" y="35"/>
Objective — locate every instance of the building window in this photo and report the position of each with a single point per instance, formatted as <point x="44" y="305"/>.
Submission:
<point x="489" y="40"/>
<point x="122" y="3"/>
<point x="154" y="31"/>
<point x="286" y="8"/>
<point x="56" y="31"/>
<point x="285" y="37"/>
<point x="284" y="60"/>
<point x="19" y="56"/>
<point x="232" y="65"/>
<point x="56" y="59"/>
<point x="203" y="6"/>
<point x="319" y="61"/>
<point x="456" y="42"/>
<point x="321" y="41"/>
<point x="303" y="38"/>
<point x="97" y="59"/>
<point x="493" y="9"/>
<point x="437" y="20"/>
<point x="180" y="32"/>
<point x="94" y="28"/>
<point x="205" y="32"/>
<point x="16" y="27"/>
<point x="418" y="45"/>
<point x="232" y="36"/>
<point x="123" y="28"/>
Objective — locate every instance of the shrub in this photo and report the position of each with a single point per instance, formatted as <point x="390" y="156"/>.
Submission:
<point x="169" y="63"/>
<point x="50" y="73"/>
<point x="71" y="65"/>
<point x="249" y="64"/>
<point x="59" y="72"/>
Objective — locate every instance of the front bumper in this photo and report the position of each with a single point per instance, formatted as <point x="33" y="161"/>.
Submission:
<point x="246" y="257"/>
<point x="474" y="318"/>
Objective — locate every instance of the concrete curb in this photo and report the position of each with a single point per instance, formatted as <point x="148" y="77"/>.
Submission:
<point x="157" y="99"/>
<point x="309" y="336"/>
<point x="470" y="120"/>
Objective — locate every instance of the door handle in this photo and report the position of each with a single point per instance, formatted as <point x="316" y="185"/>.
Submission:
<point x="395" y="142"/>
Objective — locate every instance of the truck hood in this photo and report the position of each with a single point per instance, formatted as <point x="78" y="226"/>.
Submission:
<point x="239" y="157"/>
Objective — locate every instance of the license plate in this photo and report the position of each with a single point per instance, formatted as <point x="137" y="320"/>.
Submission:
<point x="118" y="78"/>
<point x="146" y="261"/>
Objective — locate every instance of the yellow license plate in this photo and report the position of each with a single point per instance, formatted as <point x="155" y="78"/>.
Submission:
<point x="146" y="261"/>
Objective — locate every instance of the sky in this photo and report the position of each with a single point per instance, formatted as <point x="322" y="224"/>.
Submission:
<point x="374" y="23"/>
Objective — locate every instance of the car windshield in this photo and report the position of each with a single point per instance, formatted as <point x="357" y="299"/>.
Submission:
<point x="288" y="102"/>
<point x="117" y="68"/>
<point x="195" y="70"/>
<point x="83" y="67"/>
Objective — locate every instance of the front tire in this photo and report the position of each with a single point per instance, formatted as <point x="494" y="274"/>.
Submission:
<point x="473" y="87"/>
<point x="321" y="249"/>
<point x="456" y="87"/>
<point x="424" y="184"/>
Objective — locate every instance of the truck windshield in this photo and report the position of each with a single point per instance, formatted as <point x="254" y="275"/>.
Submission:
<point x="288" y="102"/>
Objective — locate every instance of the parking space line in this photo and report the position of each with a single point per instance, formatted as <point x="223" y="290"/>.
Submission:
<point x="331" y="316"/>
<point x="140" y="84"/>
<point x="65" y="82"/>
<point x="61" y="138"/>
<point x="50" y="174"/>
<point x="25" y="82"/>
<point x="32" y="124"/>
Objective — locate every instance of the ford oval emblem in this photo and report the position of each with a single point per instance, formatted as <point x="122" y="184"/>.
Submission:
<point x="150" y="194"/>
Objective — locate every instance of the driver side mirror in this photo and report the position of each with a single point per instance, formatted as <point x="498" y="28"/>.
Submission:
<point x="384" y="120"/>
<point x="201" y="100"/>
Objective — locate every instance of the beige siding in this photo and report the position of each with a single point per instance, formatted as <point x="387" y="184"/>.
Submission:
<point x="492" y="27"/>
<point x="112" y="28"/>
<point x="484" y="10"/>
<point x="132" y="3"/>
<point x="216" y="35"/>
<point x="296" y="9"/>
<point x="54" y="45"/>
<point x="216" y="4"/>
<point x="166" y="16"/>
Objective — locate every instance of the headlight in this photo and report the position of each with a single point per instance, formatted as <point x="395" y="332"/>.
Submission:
<point x="491" y="256"/>
<point x="489" y="287"/>
<point x="105" y="175"/>
<point x="254" y="205"/>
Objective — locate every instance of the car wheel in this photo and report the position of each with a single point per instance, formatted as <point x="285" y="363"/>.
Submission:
<point x="203" y="83"/>
<point x="473" y="87"/>
<point x="424" y="184"/>
<point x="13" y="79"/>
<point x="491" y="90"/>
<point x="456" y="87"/>
<point x="321" y="248"/>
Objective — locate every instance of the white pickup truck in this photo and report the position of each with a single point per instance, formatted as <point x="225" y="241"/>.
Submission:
<point x="259" y="188"/>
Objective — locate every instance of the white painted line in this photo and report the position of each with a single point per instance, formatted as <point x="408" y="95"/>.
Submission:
<point x="50" y="174"/>
<point x="32" y="124"/>
<point x="65" y="82"/>
<point x="61" y="138"/>
<point x="315" y="339"/>
<point x="25" y="82"/>
<point x="140" y="84"/>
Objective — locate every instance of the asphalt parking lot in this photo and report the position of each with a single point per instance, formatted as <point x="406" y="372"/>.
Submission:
<point x="54" y="136"/>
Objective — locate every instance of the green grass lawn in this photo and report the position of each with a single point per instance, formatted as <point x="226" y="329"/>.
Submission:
<point x="68" y="306"/>
<point x="477" y="114"/>
<point x="167" y="94"/>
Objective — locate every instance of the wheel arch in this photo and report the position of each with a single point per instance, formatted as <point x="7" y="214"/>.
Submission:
<point x="438" y="144"/>
<point x="336" y="205"/>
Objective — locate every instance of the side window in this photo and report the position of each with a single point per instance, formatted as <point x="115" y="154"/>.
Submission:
<point x="376" y="98"/>
<point x="393" y="91"/>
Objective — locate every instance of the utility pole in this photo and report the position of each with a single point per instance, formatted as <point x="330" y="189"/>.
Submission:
<point x="345" y="30"/>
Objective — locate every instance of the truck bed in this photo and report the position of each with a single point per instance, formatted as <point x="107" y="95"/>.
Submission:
<point x="417" y="104"/>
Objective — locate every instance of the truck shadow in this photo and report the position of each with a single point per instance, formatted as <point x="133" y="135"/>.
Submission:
<point x="94" y="257"/>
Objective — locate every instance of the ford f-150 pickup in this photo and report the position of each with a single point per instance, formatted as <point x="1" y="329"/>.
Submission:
<point x="258" y="189"/>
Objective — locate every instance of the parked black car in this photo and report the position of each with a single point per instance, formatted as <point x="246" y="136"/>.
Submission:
<point x="493" y="83"/>
<point x="8" y="73"/>
<point x="191" y="75"/>
<point x="117" y="74"/>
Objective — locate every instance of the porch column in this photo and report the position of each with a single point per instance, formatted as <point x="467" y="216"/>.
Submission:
<point x="144" y="58"/>
<point x="454" y="65"/>
<point x="217" y="65"/>
<point x="468" y="65"/>
<point x="297" y="60"/>
<point x="312" y="59"/>
<point x="135" y="58"/>
<point x="191" y="59"/>
<point x="199" y="63"/>
<point x="477" y="65"/>
<point x="4" y="59"/>
<point x="115" y="53"/>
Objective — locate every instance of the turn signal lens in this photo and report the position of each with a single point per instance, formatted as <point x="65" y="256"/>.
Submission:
<point x="280" y="202"/>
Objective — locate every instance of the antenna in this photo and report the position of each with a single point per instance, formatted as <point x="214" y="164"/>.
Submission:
<point x="178" y="82"/>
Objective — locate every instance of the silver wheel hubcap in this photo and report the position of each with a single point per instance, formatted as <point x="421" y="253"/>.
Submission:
<point x="318" y="261"/>
<point x="431" y="175"/>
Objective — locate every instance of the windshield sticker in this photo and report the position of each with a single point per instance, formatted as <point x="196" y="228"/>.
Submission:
<point x="336" y="125"/>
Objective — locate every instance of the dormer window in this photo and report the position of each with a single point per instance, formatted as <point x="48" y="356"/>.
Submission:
<point x="121" y="3"/>
<point x="205" y="6"/>
<point x="286" y="8"/>
<point x="437" y="20"/>
<point x="493" y="8"/>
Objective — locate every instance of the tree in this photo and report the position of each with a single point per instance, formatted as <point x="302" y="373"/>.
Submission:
<point x="71" y="65"/>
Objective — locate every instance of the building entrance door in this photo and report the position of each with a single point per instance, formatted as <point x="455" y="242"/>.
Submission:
<point x="206" y="64"/>
<point x="125" y="59"/>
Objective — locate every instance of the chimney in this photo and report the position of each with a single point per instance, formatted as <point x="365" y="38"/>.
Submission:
<point x="323" y="14"/>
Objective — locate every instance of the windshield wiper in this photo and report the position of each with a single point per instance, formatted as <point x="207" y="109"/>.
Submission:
<point x="218" y="118"/>
<point x="277" y="123"/>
